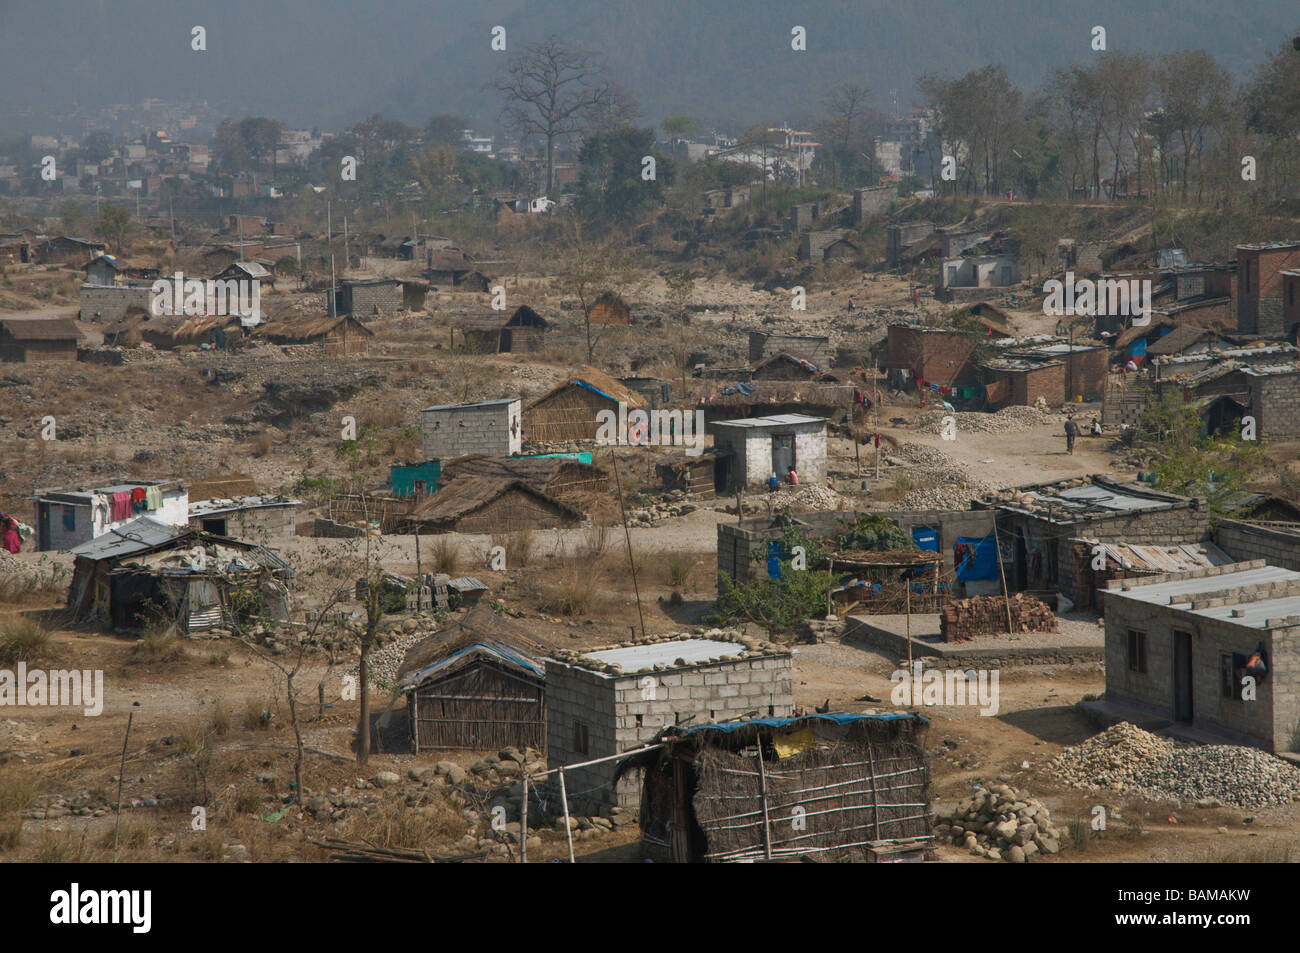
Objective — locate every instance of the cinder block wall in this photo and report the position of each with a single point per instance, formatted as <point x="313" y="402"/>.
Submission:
<point x="1258" y="721"/>
<point x="457" y="431"/>
<point x="1243" y="541"/>
<point x="627" y="711"/>
<point x="112" y="303"/>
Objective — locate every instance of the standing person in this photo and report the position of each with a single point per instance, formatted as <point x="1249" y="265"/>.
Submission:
<point x="12" y="543"/>
<point x="1071" y="433"/>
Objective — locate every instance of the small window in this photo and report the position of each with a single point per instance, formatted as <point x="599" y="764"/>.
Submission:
<point x="1231" y="674"/>
<point x="1137" y="651"/>
<point x="70" y="518"/>
<point x="640" y="722"/>
<point x="581" y="743"/>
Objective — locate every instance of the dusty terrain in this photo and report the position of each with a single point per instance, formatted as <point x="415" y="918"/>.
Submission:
<point x="214" y="714"/>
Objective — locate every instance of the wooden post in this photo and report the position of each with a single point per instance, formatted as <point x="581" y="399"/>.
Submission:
<point x="871" y="766"/>
<point x="627" y="535"/>
<point x="762" y="796"/>
<point x="415" y="716"/>
<point x="908" y="597"/>
<point x="121" y="771"/>
<point x="419" y="575"/>
<point x="523" y="825"/>
<point x="568" y="828"/>
<point x="1002" y="573"/>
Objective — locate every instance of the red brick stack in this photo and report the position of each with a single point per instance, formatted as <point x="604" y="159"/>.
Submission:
<point x="963" y="619"/>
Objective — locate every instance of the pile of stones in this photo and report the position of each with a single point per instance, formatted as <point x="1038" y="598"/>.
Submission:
<point x="1001" y="823"/>
<point x="1006" y="420"/>
<point x="1126" y="759"/>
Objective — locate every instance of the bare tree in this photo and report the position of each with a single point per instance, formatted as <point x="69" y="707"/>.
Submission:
<point x="552" y="91"/>
<point x="589" y="268"/>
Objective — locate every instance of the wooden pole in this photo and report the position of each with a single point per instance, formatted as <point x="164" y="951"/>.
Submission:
<point x="523" y="824"/>
<point x="762" y="797"/>
<point x="871" y="766"/>
<point x="568" y="827"/>
<point x="121" y="772"/>
<point x="908" y="597"/>
<point x="627" y="535"/>
<point x="875" y="406"/>
<point x="419" y="575"/>
<point x="1006" y="599"/>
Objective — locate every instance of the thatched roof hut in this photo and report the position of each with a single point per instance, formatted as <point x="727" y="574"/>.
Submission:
<point x="474" y="504"/>
<point x="610" y="309"/>
<point x="478" y="682"/>
<point x="848" y="780"/>
<point x="568" y="412"/>
<point x="495" y="332"/>
<point x="569" y="481"/>
<point x="340" y="335"/>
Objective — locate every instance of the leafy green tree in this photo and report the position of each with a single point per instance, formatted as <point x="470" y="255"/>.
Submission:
<point x="114" y="224"/>
<point x="779" y="605"/>
<point x="611" y="186"/>
<point x="1172" y="440"/>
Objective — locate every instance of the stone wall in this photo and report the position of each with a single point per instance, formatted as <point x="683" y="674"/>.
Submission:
<point x="1278" y="546"/>
<point x="104" y="305"/>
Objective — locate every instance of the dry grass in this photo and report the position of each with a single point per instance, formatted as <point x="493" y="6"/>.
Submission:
<point x="597" y="540"/>
<point x="680" y="568"/>
<point x="429" y="827"/>
<point x="261" y="445"/>
<point x="24" y="640"/>
<point x="17" y="796"/>
<point x="158" y="647"/>
<point x="573" y="595"/>
<point x="520" y="547"/>
<point x="445" y="555"/>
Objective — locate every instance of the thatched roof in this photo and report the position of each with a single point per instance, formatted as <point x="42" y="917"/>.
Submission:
<point x="198" y="330"/>
<point x="522" y="317"/>
<point x="1179" y="340"/>
<point x="307" y="328"/>
<point x="41" y="329"/>
<point x="538" y="472"/>
<point x="480" y="625"/>
<point x="464" y="495"/>
<point x="598" y="381"/>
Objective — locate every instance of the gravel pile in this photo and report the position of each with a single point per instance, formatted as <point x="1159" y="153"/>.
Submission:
<point x="1006" y="420"/>
<point x="1127" y="759"/>
<point x="941" y="497"/>
<point x="385" y="662"/>
<point x="943" y="484"/>
<point x="807" y="497"/>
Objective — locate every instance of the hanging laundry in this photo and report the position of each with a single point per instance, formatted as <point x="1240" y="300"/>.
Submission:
<point x="137" y="499"/>
<point x="153" y="498"/>
<point x="120" y="506"/>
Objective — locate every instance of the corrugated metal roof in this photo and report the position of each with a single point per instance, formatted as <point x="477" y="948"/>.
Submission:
<point x="1103" y="497"/>
<point x="468" y="584"/>
<point x="499" y="652"/>
<point x="1162" y="558"/>
<point x="218" y="505"/>
<point x="136" y="536"/>
<point x="479" y="403"/>
<point x="835" y="719"/>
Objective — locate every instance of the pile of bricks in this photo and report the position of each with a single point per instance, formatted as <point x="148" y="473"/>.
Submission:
<point x="963" y="619"/>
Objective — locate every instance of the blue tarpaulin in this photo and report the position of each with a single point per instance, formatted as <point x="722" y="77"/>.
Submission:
<point x="976" y="557"/>
<point x="926" y="538"/>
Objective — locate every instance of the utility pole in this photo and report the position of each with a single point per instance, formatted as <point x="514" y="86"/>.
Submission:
<point x="875" y="406"/>
<point x="333" y="313"/>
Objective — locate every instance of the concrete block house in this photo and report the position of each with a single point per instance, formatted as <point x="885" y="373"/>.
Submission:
<point x="490" y="427"/>
<point x="1260" y="287"/>
<point x="604" y="701"/>
<point x="67" y="518"/>
<point x="1180" y="645"/>
<point x="761" y="446"/>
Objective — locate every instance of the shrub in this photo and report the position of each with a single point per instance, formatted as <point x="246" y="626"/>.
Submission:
<point x="24" y="640"/>
<point x="445" y="554"/>
<point x="17" y="796"/>
<point x="158" y="645"/>
<point x="679" y="570"/>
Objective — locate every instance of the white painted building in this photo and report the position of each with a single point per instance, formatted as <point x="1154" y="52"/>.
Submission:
<point x="761" y="446"/>
<point x="68" y="518"/>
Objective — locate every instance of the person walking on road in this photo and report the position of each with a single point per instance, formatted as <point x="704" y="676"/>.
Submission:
<point x="1071" y="433"/>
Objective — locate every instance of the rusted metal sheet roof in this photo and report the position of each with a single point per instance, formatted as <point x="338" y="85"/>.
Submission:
<point x="1168" y="558"/>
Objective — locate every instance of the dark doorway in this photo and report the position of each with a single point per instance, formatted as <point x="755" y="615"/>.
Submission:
<point x="1182" y="676"/>
<point x="722" y="474"/>
<point x="215" y="526"/>
<point x="782" y="454"/>
<point x="1222" y="415"/>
